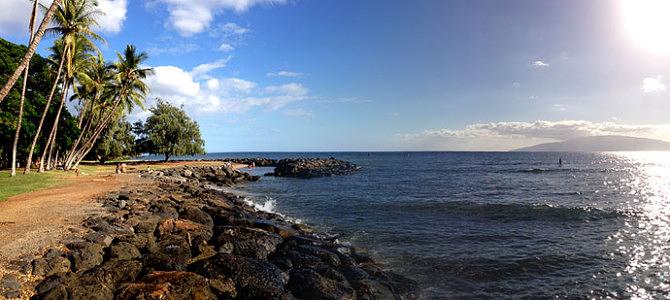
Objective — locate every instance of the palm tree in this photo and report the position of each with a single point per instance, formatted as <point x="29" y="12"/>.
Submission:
<point x="74" y="21"/>
<point x="44" y="113"/>
<point x="31" y="50"/>
<point x="129" y="90"/>
<point x="79" y="61"/>
<point x="95" y="87"/>
<point x="23" y="94"/>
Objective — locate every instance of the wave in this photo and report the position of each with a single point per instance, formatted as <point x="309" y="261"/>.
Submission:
<point x="507" y="212"/>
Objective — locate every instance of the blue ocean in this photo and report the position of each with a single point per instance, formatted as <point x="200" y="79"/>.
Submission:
<point x="494" y="225"/>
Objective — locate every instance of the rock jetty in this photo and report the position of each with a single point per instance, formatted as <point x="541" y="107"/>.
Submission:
<point x="312" y="167"/>
<point x="176" y="238"/>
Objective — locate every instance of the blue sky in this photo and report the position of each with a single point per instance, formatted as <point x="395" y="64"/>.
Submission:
<point x="303" y="75"/>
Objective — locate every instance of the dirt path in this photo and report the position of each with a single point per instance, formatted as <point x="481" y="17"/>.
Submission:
<point x="35" y="221"/>
<point x="32" y="222"/>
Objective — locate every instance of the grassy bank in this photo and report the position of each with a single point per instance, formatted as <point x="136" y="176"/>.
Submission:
<point x="10" y="186"/>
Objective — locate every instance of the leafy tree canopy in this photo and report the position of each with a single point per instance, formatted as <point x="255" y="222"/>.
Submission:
<point x="169" y="131"/>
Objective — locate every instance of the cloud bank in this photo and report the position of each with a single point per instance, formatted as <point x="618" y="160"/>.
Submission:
<point x="200" y="92"/>
<point x="510" y="135"/>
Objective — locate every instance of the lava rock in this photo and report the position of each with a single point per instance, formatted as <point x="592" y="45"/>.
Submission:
<point x="254" y="279"/>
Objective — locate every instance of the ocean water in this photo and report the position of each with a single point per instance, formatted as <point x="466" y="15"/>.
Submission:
<point x="495" y="225"/>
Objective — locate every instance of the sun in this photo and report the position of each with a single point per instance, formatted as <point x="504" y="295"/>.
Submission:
<point x="648" y="23"/>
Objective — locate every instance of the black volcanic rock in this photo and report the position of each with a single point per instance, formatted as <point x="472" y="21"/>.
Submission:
<point x="312" y="167"/>
<point x="178" y="239"/>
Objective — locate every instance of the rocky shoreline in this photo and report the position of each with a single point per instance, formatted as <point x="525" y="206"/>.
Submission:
<point x="178" y="238"/>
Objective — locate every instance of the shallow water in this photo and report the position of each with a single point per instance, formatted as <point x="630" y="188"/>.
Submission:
<point x="496" y="224"/>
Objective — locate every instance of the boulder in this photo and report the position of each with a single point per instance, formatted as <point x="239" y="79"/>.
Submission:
<point x="245" y="241"/>
<point x="254" y="279"/>
<point x="10" y="286"/>
<point x="85" y="255"/>
<point x="168" y="285"/>
<point x="308" y="284"/>
<point x="52" y="263"/>
<point x="124" y="251"/>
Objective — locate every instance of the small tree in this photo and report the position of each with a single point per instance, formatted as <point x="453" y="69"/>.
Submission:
<point x="169" y="131"/>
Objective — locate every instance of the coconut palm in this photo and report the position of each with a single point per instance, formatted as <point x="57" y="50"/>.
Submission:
<point x="129" y="90"/>
<point x="73" y="22"/>
<point x="23" y="94"/>
<point x="79" y="61"/>
<point x="31" y="50"/>
<point x="95" y="88"/>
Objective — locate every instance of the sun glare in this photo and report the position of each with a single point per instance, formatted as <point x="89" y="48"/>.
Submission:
<point x="648" y="23"/>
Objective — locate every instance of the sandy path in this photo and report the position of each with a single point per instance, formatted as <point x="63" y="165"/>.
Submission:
<point x="33" y="222"/>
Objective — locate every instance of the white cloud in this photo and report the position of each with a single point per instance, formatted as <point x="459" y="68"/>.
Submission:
<point x="284" y="74"/>
<point x="653" y="85"/>
<point x="200" y="92"/>
<point x="510" y="135"/>
<point x="213" y="84"/>
<point x="232" y="29"/>
<point x="555" y="130"/>
<point x="225" y="47"/>
<point x="516" y="84"/>
<point x="170" y="80"/>
<point x="208" y="67"/>
<point x="15" y="15"/>
<point x="299" y="112"/>
<point x="559" y="107"/>
<point x="178" y="48"/>
<point x="236" y="85"/>
<point x="540" y="64"/>
<point x="190" y="17"/>
<point x="115" y="15"/>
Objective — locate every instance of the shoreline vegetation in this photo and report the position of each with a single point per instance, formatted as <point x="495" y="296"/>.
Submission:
<point x="174" y="235"/>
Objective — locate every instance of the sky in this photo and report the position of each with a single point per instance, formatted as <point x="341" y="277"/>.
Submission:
<point x="350" y="75"/>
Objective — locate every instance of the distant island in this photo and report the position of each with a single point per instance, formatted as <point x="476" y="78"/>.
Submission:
<point x="601" y="143"/>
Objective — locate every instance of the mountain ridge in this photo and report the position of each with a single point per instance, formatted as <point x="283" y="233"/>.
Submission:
<point x="601" y="143"/>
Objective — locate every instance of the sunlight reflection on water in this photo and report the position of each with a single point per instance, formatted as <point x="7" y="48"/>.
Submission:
<point x="643" y="242"/>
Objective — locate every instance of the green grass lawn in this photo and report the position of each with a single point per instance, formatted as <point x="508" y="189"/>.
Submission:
<point x="10" y="186"/>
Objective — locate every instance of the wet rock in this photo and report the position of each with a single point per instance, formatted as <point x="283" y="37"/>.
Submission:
<point x="124" y="251"/>
<point x="308" y="284"/>
<point x="85" y="255"/>
<point x="169" y="285"/>
<point x="254" y="279"/>
<point x="245" y="241"/>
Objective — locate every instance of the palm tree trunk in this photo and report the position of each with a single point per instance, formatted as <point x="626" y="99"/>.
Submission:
<point x="44" y="114"/>
<point x="71" y="155"/>
<point x="31" y="50"/>
<point x="19" y="120"/>
<point x="54" y="128"/>
<point x="86" y="148"/>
